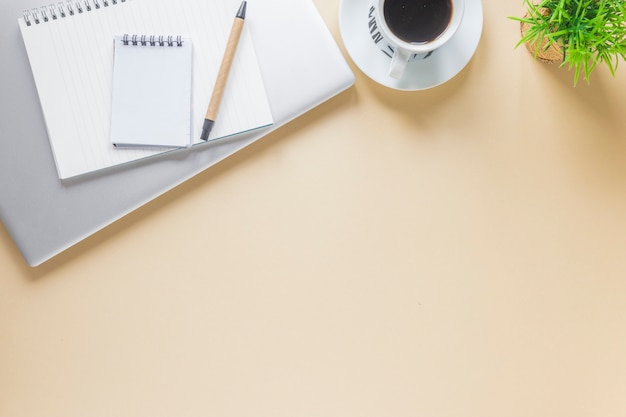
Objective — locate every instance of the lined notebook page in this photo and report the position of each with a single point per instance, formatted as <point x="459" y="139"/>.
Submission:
<point x="72" y="63"/>
<point x="151" y="91"/>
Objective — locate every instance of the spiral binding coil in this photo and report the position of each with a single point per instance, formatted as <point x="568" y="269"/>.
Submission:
<point x="152" y="40"/>
<point x="64" y="9"/>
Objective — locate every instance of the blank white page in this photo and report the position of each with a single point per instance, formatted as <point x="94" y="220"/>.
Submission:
<point x="151" y="91"/>
<point x="71" y="59"/>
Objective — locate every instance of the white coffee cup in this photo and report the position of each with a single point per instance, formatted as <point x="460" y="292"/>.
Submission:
<point x="413" y="28"/>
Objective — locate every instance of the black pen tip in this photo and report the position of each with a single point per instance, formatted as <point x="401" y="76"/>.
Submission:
<point x="206" y="129"/>
<point x="241" y="14"/>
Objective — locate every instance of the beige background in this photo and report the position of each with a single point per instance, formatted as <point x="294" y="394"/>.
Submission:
<point x="451" y="252"/>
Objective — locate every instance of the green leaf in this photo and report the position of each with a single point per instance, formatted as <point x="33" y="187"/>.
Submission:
<point x="591" y="32"/>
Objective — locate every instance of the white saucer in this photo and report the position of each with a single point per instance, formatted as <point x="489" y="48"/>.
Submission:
<point x="441" y="66"/>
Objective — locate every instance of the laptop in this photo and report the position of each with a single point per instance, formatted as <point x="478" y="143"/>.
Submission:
<point x="45" y="216"/>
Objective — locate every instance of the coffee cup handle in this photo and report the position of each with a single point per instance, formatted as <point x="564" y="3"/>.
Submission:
<point x="398" y="62"/>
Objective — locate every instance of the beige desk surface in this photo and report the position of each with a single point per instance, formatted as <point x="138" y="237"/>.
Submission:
<point x="446" y="253"/>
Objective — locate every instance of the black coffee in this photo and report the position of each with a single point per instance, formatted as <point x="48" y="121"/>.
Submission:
<point x="417" y="21"/>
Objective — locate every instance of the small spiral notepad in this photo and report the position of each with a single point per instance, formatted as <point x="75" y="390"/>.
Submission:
<point x="71" y="52"/>
<point x="151" y="91"/>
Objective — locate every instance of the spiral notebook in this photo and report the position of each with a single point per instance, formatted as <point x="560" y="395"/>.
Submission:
<point x="70" y="49"/>
<point x="151" y="91"/>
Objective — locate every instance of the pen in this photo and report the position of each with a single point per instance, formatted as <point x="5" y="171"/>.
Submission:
<point x="222" y="75"/>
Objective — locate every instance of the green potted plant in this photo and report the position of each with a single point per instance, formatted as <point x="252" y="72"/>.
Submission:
<point x="579" y="33"/>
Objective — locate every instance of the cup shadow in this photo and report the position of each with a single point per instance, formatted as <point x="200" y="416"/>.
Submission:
<point x="417" y="106"/>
